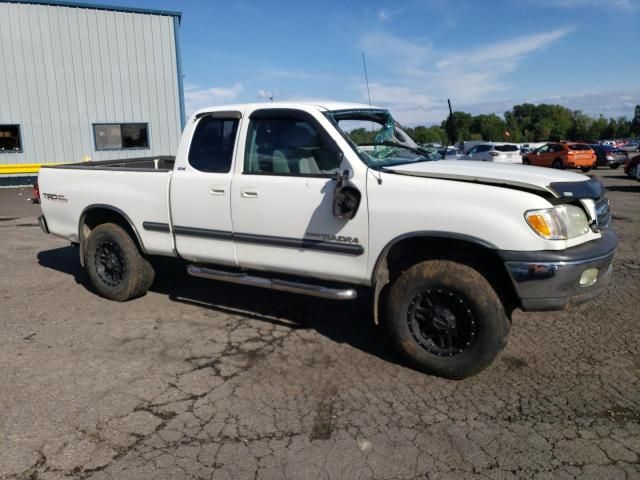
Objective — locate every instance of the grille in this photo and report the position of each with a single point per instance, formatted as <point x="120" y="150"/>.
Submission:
<point x="602" y="211"/>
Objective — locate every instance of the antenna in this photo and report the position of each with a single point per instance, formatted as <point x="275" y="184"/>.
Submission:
<point x="366" y="77"/>
<point x="451" y="128"/>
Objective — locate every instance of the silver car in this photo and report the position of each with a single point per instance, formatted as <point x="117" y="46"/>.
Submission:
<point x="494" y="152"/>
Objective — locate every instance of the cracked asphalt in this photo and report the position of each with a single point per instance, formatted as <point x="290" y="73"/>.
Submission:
<point x="205" y="380"/>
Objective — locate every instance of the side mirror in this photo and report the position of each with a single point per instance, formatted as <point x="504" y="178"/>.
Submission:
<point x="346" y="199"/>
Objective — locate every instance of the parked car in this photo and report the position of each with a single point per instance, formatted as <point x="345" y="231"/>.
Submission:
<point x="632" y="166"/>
<point x="494" y="152"/>
<point x="608" y="156"/>
<point x="276" y="196"/>
<point x="630" y="147"/>
<point x="562" y="155"/>
<point x="451" y="153"/>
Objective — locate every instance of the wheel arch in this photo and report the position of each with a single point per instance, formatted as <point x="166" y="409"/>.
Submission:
<point x="408" y="249"/>
<point x="98" y="214"/>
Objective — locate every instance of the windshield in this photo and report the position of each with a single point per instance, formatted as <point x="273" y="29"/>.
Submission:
<point x="378" y="139"/>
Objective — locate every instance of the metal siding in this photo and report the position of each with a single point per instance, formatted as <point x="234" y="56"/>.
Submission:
<point x="63" y="69"/>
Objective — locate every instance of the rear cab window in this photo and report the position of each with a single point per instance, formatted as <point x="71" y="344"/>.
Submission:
<point x="213" y="144"/>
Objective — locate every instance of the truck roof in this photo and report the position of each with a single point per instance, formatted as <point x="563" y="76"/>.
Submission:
<point x="323" y="105"/>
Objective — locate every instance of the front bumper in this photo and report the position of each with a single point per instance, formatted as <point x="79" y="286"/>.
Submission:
<point x="551" y="280"/>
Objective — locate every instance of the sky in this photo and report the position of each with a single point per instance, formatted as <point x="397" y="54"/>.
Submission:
<point x="485" y="56"/>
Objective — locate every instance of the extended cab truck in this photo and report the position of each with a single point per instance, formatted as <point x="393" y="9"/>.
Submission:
<point x="278" y="196"/>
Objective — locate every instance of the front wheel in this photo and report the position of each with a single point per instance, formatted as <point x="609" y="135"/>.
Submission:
<point x="585" y="169"/>
<point x="114" y="264"/>
<point x="614" y="166"/>
<point x="557" y="164"/>
<point x="445" y="318"/>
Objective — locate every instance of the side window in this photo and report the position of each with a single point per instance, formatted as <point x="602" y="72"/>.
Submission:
<point x="212" y="144"/>
<point x="473" y="150"/>
<point x="543" y="149"/>
<point x="484" y="148"/>
<point x="288" y="146"/>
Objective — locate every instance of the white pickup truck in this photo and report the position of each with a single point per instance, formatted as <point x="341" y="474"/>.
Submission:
<point x="279" y="196"/>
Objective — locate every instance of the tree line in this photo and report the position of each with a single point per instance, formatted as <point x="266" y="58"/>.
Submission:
<point x="524" y="123"/>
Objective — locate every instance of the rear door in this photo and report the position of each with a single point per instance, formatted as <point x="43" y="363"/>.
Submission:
<point x="200" y="192"/>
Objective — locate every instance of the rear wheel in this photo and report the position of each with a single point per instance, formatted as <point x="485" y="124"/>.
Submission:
<point x="557" y="163"/>
<point x="445" y="318"/>
<point x="585" y="169"/>
<point x="114" y="264"/>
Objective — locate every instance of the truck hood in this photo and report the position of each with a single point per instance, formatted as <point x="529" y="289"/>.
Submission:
<point x="522" y="177"/>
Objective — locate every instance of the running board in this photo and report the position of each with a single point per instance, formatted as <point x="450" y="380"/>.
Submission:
<point x="273" y="283"/>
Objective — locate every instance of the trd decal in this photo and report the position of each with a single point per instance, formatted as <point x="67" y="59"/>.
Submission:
<point x="55" y="197"/>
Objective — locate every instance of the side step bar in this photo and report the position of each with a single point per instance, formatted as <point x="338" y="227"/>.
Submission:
<point x="273" y="283"/>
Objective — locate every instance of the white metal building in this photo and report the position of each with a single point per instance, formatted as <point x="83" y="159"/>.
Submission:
<point x="86" y="82"/>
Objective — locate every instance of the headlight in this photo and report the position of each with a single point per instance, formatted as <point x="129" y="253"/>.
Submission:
<point x="558" y="223"/>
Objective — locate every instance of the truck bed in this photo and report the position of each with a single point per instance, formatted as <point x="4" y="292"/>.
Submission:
<point x="163" y="163"/>
<point x="137" y="188"/>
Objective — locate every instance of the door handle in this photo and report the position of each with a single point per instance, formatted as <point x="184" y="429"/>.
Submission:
<point x="249" y="193"/>
<point x="216" y="190"/>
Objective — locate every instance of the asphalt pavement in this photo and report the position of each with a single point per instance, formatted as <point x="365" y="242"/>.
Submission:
<point x="200" y="379"/>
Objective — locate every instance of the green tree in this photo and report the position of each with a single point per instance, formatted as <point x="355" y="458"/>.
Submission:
<point x="635" y="123"/>
<point x="489" y="127"/>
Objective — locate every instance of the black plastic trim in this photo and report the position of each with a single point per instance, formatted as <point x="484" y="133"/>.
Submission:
<point x="304" y="243"/>
<point x="588" y="189"/>
<point x="298" y="243"/>
<point x="156" y="227"/>
<point x="594" y="249"/>
<point x="202" y="232"/>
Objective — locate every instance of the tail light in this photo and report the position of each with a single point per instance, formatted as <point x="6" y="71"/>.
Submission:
<point x="494" y="153"/>
<point x="36" y="193"/>
<point x="609" y="157"/>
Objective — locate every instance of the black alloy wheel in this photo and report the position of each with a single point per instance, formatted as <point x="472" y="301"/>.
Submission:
<point x="110" y="263"/>
<point x="441" y="322"/>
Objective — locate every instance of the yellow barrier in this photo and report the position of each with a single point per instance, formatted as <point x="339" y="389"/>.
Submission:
<point x="22" y="168"/>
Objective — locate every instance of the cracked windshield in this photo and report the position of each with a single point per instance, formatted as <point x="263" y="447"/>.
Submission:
<point x="379" y="140"/>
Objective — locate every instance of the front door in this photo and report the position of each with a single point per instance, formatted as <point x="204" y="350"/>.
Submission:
<point x="282" y="199"/>
<point x="201" y="192"/>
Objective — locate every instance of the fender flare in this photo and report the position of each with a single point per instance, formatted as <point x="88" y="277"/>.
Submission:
<point x="380" y="275"/>
<point x="101" y="206"/>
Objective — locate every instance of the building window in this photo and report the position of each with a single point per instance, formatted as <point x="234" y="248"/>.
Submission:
<point x="10" y="139"/>
<point x="121" y="136"/>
